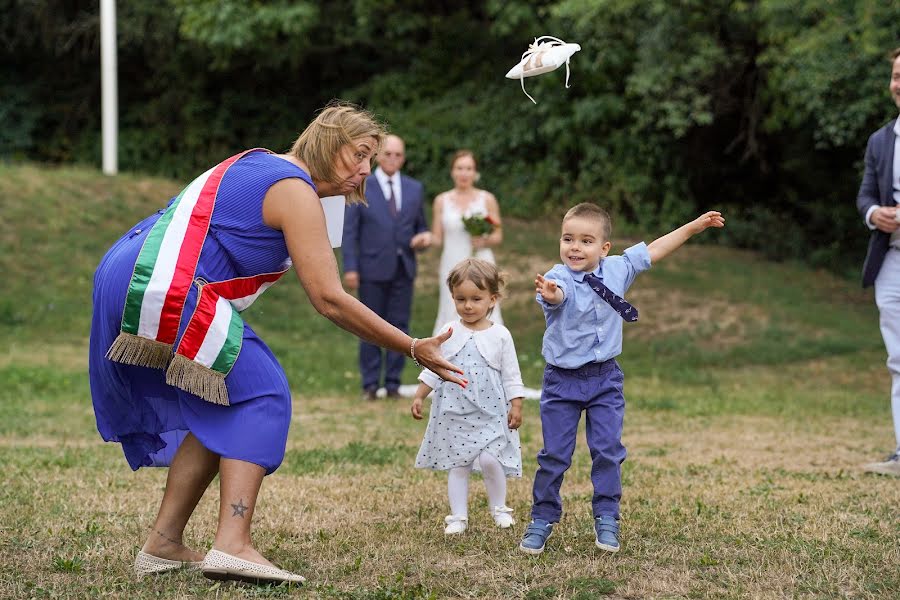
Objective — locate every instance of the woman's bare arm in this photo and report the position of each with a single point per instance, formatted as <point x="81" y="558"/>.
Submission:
<point x="293" y="208"/>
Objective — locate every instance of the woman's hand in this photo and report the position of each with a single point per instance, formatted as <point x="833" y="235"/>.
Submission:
<point x="428" y="353"/>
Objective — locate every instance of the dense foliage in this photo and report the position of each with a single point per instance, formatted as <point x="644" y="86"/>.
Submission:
<point x="761" y="108"/>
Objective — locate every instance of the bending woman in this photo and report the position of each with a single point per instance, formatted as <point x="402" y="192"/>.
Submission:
<point x="177" y="377"/>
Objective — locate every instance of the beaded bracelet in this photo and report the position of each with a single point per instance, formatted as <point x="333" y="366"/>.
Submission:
<point x="412" y="351"/>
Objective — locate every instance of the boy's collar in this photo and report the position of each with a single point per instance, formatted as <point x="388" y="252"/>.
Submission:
<point x="579" y="275"/>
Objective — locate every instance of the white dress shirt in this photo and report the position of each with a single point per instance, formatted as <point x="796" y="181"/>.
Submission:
<point x="386" y="188"/>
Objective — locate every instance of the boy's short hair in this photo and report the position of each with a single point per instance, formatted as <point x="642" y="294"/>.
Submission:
<point x="589" y="210"/>
<point x="894" y="54"/>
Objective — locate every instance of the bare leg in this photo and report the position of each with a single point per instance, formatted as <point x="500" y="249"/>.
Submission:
<point x="239" y="483"/>
<point x="192" y="469"/>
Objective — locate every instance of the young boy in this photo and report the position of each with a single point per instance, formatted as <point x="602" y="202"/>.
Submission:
<point x="584" y="309"/>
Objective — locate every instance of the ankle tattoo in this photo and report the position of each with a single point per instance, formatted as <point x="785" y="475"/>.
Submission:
<point x="239" y="509"/>
<point x="167" y="538"/>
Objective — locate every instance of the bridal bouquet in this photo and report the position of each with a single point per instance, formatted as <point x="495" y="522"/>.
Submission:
<point x="479" y="223"/>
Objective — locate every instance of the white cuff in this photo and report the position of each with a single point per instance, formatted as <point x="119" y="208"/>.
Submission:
<point x="514" y="390"/>
<point x="430" y="379"/>
<point x="869" y="216"/>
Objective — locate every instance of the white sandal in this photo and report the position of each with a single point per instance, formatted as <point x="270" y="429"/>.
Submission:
<point x="543" y="57"/>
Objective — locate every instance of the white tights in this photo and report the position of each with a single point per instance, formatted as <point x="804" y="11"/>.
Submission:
<point x="494" y="483"/>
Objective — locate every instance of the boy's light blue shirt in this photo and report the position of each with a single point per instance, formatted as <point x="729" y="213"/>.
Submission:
<point x="583" y="328"/>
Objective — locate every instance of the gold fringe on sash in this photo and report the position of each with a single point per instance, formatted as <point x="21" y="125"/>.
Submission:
<point x="131" y="349"/>
<point x="193" y="377"/>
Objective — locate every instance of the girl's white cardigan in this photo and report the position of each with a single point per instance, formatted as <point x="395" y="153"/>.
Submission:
<point x="496" y="346"/>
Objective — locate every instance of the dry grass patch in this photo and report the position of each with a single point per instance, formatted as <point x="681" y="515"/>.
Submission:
<point x="64" y="357"/>
<point x="729" y="506"/>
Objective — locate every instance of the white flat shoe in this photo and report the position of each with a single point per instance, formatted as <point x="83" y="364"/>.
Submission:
<point x="221" y="567"/>
<point x="147" y="564"/>
<point x="456" y="524"/>
<point x="543" y="57"/>
<point x="503" y="516"/>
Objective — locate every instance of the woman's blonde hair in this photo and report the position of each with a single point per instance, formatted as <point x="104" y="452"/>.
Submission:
<point x="336" y="125"/>
<point x="482" y="273"/>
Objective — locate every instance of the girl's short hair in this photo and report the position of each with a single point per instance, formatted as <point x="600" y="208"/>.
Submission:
<point x="482" y="273"/>
<point x="321" y="143"/>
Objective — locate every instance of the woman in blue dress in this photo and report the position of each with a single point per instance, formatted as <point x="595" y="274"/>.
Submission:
<point x="177" y="377"/>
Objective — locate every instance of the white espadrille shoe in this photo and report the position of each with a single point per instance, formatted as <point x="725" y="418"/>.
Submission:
<point x="221" y="566"/>
<point x="503" y="516"/>
<point x="455" y="524"/>
<point x="546" y="54"/>
<point x="147" y="564"/>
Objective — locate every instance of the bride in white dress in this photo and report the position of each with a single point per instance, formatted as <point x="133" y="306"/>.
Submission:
<point x="447" y="229"/>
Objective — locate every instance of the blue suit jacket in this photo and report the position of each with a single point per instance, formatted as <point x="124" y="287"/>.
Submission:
<point x="876" y="190"/>
<point x="373" y="239"/>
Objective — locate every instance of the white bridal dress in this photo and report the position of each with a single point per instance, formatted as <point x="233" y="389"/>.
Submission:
<point x="458" y="246"/>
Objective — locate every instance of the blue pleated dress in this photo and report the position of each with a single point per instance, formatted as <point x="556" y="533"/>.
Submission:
<point x="134" y="405"/>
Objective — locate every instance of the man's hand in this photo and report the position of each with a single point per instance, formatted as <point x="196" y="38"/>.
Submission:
<point x="351" y="280"/>
<point x="884" y="218"/>
<point x="420" y="241"/>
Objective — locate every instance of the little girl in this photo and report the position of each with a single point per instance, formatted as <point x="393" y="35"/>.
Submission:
<point x="474" y="427"/>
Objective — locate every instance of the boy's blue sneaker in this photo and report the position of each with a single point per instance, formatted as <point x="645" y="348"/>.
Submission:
<point x="607" y="529"/>
<point x="536" y="536"/>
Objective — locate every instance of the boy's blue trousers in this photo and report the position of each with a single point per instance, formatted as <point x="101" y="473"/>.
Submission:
<point x="597" y="390"/>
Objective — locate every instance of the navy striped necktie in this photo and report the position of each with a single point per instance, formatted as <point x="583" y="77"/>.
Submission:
<point x="618" y="304"/>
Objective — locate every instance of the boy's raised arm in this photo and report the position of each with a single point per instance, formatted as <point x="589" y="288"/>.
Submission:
<point x="664" y="246"/>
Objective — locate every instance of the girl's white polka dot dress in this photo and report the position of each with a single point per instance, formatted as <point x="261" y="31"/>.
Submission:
<point x="466" y="422"/>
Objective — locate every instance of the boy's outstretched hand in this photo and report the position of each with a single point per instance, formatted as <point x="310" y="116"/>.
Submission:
<point x="664" y="246"/>
<point x="548" y="290"/>
<point x="712" y="218"/>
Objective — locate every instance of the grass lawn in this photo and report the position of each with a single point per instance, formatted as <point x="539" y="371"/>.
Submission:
<point x="755" y="390"/>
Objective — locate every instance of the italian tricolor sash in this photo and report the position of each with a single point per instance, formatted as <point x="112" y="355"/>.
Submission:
<point x="163" y="273"/>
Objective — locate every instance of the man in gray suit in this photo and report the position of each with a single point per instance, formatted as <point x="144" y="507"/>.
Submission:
<point x="879" y="195"/>
<point x="379" y="249"/>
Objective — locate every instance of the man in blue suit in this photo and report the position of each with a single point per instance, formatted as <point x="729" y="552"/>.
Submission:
<point x="379" y="247"/>
<point x="879" y="195"/>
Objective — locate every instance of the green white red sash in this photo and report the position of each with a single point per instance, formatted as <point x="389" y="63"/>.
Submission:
<point x="163" y="273"/>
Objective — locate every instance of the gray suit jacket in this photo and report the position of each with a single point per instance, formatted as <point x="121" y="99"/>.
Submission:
<point x="876" y="190"/>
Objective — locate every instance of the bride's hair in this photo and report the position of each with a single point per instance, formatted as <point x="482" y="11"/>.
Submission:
<point x="463" y="153"/>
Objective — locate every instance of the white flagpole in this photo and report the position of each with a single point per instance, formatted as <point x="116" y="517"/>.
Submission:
<point x="109" y="87"/>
